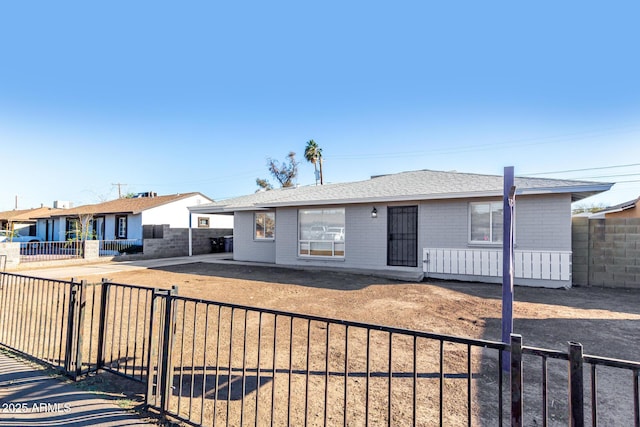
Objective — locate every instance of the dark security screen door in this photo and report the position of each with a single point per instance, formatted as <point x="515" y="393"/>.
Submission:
<point x="402" y="241"/>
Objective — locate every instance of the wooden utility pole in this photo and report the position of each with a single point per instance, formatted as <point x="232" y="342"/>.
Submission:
<point x="119" y="187"/>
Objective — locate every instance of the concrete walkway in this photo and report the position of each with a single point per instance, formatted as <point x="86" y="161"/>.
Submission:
<point x="105" y="268"/>
<point x="29" y="396"/>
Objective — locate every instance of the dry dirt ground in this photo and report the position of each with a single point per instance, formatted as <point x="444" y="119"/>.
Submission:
<point x="605" y="321"/>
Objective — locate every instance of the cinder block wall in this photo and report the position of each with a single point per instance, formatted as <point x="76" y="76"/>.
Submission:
<point x="175" y="241"/>
<point x="91" y="250"/>
<point x="580" y="249"/>
<point x="606" y="252"/>
<point x="10" y="252"/>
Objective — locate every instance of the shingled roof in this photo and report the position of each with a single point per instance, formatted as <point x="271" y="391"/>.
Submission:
<point x="26" y="215"/>
<point x="124" y="206"/>
<point x="404" y="186"/>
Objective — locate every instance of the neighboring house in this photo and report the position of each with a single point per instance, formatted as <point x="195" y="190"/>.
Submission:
<point x="408" y="225"/>
<point x="630" y="209"/>
<point x="124" y="218"/>
<point x="24" y="221"/>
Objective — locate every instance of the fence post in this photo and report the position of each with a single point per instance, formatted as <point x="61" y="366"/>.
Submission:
<point x="152" y="353"/>
<point x="167" y="344"/>
<point x="516" y="380"/>
<point x="104" y="305"/>
<point x="82" y="303"/>
<point x="576" y="385"/>
<point x="71" y="314"/>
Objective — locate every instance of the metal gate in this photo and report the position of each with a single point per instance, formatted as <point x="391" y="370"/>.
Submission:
<point x="402" y="236"/>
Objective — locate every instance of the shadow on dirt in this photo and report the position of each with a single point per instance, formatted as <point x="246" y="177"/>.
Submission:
<point x="308" y="277"/>
<point x="600" y="337"/>
<point x="587" y="298"/>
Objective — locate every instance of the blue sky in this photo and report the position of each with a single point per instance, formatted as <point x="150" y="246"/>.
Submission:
<point x="195" y="96"/>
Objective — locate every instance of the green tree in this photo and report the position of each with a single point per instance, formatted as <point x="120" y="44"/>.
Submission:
<point x="285" y="172"/>
<point x="313" y="154"/>
<point x="263" y="184"/>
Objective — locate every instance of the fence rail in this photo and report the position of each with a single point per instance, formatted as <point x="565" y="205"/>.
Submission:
<point x="543" y="265"/>
<point x="49" y="251"/>
<point x="120" y="247"/>
<point x="39" y="317"/>
<point x="211" y="363"/>
<point x="231" y="365"/>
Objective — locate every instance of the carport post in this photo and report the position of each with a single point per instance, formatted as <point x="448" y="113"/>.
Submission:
<point x="190" y="235"/>
<point x="508" y="205"/>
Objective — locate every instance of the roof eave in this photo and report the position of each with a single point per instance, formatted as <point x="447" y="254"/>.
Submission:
<point x="577" y="193"/>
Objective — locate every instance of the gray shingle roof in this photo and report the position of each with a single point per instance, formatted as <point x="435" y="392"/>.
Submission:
<point x="405" y="186"/>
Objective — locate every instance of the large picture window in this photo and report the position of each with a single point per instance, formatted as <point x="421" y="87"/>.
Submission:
<point x="485" y="222"/>
<point x="321" y="232"/>
<point x="265" y="225"/>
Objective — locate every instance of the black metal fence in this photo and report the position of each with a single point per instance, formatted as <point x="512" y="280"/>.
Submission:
<point x="211" y="363"/>
<point x="40" y="318"/>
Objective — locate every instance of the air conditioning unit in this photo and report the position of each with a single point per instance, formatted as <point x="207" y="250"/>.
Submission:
<point x="62" y="204"/>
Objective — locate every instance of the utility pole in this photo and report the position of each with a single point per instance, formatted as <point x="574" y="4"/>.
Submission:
<point x="119" y="191"/>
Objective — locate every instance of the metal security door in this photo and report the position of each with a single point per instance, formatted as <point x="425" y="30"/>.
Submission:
<point x="402" y="239"/>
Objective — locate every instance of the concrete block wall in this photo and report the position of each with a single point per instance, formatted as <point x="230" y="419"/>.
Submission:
<point x="10" y="251"/>
<point x="606" y="252"/>
<point x="175" y="242"/>
<point x="91" y="250"/>
<point x="580" y="251"/>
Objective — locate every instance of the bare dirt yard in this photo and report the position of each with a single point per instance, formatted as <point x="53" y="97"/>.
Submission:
<point x="605" y="321"/>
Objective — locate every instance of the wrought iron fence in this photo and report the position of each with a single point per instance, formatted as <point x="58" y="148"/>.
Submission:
<point x="227" y="364"/>
<point x="555" y="386"/>
<point x="40" y="317"/>
<point x="211" y="363"/>
<point x="125" y="329"/>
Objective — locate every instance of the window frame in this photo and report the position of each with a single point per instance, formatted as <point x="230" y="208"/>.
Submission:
<point x="491" y="241"/>
<point x="118" y="236"/>
<point x="264" y="215"/>
<point x="203" y="222"/>
<point x="328" y="248"/>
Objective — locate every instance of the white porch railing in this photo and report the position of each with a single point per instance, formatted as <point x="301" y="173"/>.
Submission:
<point x="542" y="265"/>
<point x="120" y="246"/>
<point x="50" y="251"/>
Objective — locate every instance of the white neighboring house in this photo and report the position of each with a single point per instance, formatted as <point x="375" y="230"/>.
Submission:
<point x="124" y="218"/>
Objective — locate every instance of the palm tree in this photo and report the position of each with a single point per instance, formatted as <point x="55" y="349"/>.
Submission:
<point x="313" y="154"/>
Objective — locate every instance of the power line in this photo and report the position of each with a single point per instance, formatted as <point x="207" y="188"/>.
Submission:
<point x="523" y="142"/>
<point x="585" y="169"/>
<point x="119" y="189"/>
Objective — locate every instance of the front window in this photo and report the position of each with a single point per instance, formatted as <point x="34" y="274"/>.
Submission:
<point x="265" y="225"/>
<point x="121" y="227"/>
<point x="485" y="222"/>
<point x="73" y="229"/>
<point x="203" y="222"/>
<point x="321" y="232"/>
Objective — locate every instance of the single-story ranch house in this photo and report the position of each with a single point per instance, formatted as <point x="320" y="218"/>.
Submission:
<point x="124" y="218"/>
<point x="23" y="221"/>
<point x="412" y="225"/>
